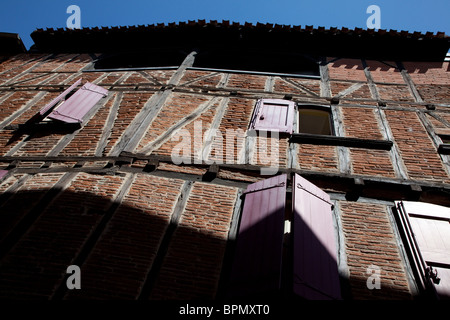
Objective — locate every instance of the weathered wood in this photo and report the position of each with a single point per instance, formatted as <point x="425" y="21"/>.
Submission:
<point x="301" y="87"/>
<point x="372" y="87"/>
<point x="134" y="132"/>
<point x="409" y="82"/>
<point x="106" y="133"/>
<point x="439" y="118"/>
<point x="349" y="90"/>
<point x="215" y="124"/>
<point x="188" y="62"/>
<point x="199" y="79"/>
<point x="153" y="273"/>
<point x="292" y="153"/>
<point x="343" y="153"/>
<point x="325" y="88"/>
<point x="140" y="123"/>
<point x="268" y="86"/>
<point x="151" y="78"/>
<point x="396" y="159"/>
<point x="63" y="158"/>
<point x="183" y="122"/>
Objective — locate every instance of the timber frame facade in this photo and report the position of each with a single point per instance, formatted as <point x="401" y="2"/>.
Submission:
<point x="106" y="195"/>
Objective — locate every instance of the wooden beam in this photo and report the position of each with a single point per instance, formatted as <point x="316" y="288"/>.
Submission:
<point x="343" y="153"/>
<point x="163" y="248"/>
<point x="107" y="129"/>
<point x="140" y="123"/>
<point x="211" y="174"/>
<point x="95" y="235"/>
<point x="63" y="158"/>
<point x="396" y="159"/>
<point x="409" y="82"/>
<point x="215" y="124"/>
<point x="134" y="133"/>
<point x="301" y="87"/>
<point x="372" y="86"/>
<point x="325" y="88"/>
<point x="307" y="138"/>
<point x="349" y="90"/>
<point x="183" y="122"/>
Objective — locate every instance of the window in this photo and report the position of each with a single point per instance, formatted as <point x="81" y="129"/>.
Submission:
<point x="314" y="120"/>
<point x="308" y="267"/>
<point x="425" y="230"/>
<point x="278" y="115"/>
<point x="314" y="125"/>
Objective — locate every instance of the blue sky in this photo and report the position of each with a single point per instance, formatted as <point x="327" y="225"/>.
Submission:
<point x="24" y="16"/>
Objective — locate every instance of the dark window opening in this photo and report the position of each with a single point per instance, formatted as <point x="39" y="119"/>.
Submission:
<point x="140" y="60"/>
<point x="315" y="120"/>
<point x="258" y="61"/>
<point x="445" y="138"/>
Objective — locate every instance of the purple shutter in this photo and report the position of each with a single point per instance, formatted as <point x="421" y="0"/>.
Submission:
<point x="75" y="108"/>
<point x="431" y="227"/>
<point x="3" y="173"/>
<point x="316" y="275"/>
<point x="257" y="264"/>
<point x="55" y="101"/>
<point x="273" y="115"/>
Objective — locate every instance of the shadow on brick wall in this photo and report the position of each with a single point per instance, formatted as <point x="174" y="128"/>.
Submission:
<point x="123" y="253"/>
<point x="118" y="248"/>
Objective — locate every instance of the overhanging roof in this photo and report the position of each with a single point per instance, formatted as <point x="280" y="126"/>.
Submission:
<point x="198" y="35"/>
<point x="10" y="43"/>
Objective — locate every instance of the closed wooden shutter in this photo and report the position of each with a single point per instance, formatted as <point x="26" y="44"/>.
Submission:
<point x="431" y="228"/>
<point x="316" y="275"/>
<point x="257" y="262"/>
<point x="273" y="115"/>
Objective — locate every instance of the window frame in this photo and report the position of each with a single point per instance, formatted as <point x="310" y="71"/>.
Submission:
<point x="318" y="139"/>
<point x="315" y="107"/>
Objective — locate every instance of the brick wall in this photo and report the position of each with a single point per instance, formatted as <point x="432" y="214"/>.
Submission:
<point x="369" y="240"/>
<point x="191" y="269"/>
<point x="118" y="246"/>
